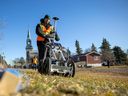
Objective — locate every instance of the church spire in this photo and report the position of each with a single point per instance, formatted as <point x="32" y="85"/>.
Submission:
<point x="28" y="41"/>
<point x="28" y="36"/>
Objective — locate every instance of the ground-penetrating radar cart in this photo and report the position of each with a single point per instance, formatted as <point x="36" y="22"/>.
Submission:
<point x="56" y="59"/>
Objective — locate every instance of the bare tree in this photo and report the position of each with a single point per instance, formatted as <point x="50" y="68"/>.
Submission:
<point x="106" y="51"/>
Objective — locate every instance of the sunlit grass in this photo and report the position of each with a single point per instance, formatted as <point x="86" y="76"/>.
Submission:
<point x="85" y="83"/>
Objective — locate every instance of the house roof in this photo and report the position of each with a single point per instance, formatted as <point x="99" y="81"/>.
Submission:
<point x="93" y="52"/>
<point x="87" y="53"/>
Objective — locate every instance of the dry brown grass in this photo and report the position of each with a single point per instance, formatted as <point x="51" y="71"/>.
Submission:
<point x="101" y="81"/>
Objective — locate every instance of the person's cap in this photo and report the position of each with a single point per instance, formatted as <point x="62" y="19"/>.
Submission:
<point x="47" y="16"/>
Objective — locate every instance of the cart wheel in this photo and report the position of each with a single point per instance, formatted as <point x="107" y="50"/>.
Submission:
<point x="72" y="70"/>
<point x="47" y="65"/>
<point x="40" y="68"/>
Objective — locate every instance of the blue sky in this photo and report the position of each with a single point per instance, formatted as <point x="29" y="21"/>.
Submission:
<point x="88" y="21"/>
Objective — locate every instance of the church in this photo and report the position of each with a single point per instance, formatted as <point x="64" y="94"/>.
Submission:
<point x="30" y="53"/>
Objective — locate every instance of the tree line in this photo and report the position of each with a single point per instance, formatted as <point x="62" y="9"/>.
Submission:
<point x="19" y="62"/>
<point x="115" y="54"/>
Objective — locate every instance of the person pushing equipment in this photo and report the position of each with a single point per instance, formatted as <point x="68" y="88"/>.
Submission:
<point x="44" y="30"/>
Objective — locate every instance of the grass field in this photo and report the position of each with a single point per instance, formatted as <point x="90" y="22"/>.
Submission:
<point x="100" y="81"/>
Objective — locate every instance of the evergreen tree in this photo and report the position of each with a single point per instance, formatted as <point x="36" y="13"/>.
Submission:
<point x="106" y="51"/>
<point x="93" y="48"/>
<point x="78" y="49"/>
<point x="120" y="55"/>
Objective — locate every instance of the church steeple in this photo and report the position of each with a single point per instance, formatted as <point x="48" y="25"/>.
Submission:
<point x="28" y="36"/>
<point x="28" y="41"/>
<point x="29" y="48"/>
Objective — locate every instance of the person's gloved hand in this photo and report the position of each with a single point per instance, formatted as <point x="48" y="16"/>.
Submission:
<point x="49" y="36"/>
<point x="52" y="30"/>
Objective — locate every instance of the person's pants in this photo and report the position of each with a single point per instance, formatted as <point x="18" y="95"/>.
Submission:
<point x="41" y="51"/>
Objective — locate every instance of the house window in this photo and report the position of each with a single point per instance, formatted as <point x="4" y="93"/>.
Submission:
<point x="96" y="58"/>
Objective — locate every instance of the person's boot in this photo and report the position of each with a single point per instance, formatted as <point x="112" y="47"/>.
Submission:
<point x="39" y="67"/>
